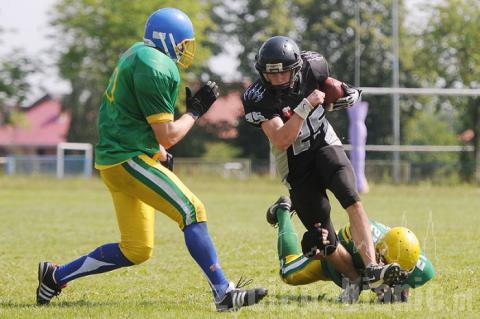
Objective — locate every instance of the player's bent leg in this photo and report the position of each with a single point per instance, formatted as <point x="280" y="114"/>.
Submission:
<point x="136" y="252"/>
<point x="105" y="258"/>
<point x="287" y="241"/>
<point x="295" y="269"/>
<point x="344" y="263"/>
<point x="163" y="190"/>
<point x="343" y="186"/>
<point x="298" y="270"/>
<point x="337" y="174"/>
<point x="136" y="221"/>
<point x="160" y="188"/>
<point x="52" y="278"/>
<point x="134" y="218"/>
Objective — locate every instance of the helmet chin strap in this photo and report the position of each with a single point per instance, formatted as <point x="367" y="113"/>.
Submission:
<point x="295" y="87"/>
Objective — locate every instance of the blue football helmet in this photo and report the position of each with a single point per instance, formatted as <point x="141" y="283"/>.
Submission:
<point x="171" y="31"/>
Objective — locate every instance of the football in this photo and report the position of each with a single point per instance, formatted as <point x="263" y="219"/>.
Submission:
<point x="333" y="90"/>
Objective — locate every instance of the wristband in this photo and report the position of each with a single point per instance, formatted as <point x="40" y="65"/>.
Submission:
<point x="303" y="109"/>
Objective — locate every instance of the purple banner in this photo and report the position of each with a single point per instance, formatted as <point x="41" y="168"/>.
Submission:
<point x="357" y="132"/>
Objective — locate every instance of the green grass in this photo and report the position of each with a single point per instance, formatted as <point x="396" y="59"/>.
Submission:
<point x="48" y="219"/>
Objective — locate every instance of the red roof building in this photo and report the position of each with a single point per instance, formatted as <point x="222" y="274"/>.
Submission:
<point x="225" y="111"/>
<point x="42" y="127"/>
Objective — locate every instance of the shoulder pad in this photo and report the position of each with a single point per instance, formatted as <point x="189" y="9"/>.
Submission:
<point x="317" y="65"/>
<point x="257" y="104"/>
<point x="254" y="93"/>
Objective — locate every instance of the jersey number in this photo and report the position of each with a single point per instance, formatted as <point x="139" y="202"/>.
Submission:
<point x="309" y="131"/>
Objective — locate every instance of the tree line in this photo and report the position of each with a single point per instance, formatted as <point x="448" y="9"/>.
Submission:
<point x="441" y="51"/>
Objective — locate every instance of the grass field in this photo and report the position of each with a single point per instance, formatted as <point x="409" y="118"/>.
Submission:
<point x="48" y="219"/>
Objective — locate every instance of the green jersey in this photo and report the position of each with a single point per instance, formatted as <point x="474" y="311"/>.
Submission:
<point x="142" y="90"/>
<point x="422" y="272"/>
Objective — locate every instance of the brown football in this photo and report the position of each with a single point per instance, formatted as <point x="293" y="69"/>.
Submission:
<point x="333" y="90"/>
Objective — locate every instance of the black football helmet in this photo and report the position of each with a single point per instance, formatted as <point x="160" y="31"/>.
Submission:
<point x="279" y="54"/>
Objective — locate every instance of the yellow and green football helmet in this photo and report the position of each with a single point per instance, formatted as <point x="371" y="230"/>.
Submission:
<point x="399" y="245"/>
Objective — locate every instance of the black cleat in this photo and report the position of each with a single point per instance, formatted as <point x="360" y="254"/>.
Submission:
<point x="375" y="275"/>
<point x="283" y="202"/>
<point x="236" y="298"/>
<point x="47" y="287"/>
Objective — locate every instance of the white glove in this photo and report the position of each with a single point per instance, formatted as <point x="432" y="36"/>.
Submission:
<point x="352" y="96"/>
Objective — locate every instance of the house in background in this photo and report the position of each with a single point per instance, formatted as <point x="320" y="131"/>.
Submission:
<point x="225" y="112"/>
<point x="30" y="147"/>
<point x="42" y="127"/>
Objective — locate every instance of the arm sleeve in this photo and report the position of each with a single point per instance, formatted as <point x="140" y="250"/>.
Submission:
<point x="156" y="95"/>
<point x="255" y="115"/>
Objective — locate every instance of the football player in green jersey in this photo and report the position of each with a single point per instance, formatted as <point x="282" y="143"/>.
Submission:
<point x="136" y="123"/>
<point x="396" y="244"/>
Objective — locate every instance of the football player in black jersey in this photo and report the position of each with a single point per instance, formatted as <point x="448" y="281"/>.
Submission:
<point x="286" y="103"/>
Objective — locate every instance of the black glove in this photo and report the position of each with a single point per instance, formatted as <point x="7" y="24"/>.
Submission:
<point x="352" y="96"/>
<point x="313" y="240"/>
<point x="168" y="163"/>
<point x="200" y="102"/>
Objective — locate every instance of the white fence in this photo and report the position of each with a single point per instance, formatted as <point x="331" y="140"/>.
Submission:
<point x="236" y="167"/>
<point x="408" y="170"/>
<point x="75" y="165"/>
<point x="72" y="165"/>
<point x="376" y="169"/>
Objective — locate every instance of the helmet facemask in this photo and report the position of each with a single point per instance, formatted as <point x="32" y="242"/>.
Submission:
<point x="185" y="52"/>
<point x="288" y="87"/>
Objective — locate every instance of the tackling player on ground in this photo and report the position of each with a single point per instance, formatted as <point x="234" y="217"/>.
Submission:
<point x="136" y="115"/>
<point x="286" y="103"/>
<point x="392" y="245"/>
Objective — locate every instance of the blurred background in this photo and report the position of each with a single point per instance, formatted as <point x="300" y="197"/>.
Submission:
<point x="56" y="57"/>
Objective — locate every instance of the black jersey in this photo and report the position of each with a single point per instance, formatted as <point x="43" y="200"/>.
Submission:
<point x="261" y="104"/>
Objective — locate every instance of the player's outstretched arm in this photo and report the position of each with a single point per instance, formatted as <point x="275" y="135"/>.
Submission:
<point x="170" y="133"/>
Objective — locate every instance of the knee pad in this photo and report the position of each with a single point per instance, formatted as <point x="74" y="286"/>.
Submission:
<point x="312" y="241"/>
<point x="136" y="253"/>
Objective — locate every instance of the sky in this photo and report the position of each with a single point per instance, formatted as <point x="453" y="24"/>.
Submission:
<point x="26" y="26"/>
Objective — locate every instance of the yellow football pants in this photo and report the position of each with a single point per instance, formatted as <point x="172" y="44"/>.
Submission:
<point x="299" y="270"/>
<point x="140" y="186"/>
